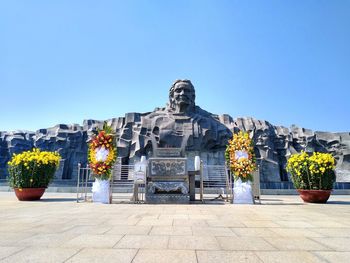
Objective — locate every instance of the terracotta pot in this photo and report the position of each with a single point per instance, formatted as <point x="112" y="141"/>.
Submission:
<point x="315" y="196"/>
<point x="29" y="194"/>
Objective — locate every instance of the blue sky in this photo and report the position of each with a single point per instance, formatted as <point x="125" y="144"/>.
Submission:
<point x="287" y="62"/>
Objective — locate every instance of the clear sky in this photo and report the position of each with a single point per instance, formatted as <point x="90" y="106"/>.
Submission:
<point x="287" y="62"/>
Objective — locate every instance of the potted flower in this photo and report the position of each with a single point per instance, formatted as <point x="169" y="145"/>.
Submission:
<point x="31" y="172"/>
<point x="313" y="176"/>
<point x="240" y="158"/>
<point x="102" y="155"/>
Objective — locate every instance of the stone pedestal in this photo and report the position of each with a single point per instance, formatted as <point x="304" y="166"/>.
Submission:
<point x="167" y="181"/>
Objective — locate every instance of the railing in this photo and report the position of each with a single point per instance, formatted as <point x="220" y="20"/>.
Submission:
<point x="215" y="180"/>
<point x="84" y="183"/>
<point x="256" y="186"/>
<point x="125" y="186"/>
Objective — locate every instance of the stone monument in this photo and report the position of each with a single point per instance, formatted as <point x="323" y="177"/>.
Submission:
<point x="182" y="124"/>
<point x="167" y="178"/>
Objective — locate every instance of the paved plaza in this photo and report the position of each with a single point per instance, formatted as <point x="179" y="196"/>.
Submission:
<point x="282" y="229"/>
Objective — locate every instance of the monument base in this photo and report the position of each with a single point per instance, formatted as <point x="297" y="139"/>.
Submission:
<point x="167" y="199"/>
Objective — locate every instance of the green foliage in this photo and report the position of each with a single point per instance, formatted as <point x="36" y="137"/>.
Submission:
<point x="315" y="172"/>
<point x="32" y="169"/>
<point x="20" y="177"/>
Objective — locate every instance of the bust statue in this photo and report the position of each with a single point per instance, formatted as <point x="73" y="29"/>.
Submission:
<point x="182" y="124"/>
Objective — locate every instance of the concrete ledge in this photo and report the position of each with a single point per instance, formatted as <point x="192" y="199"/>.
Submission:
<point x="71" y="189"/>
<point x="294" y="192"/>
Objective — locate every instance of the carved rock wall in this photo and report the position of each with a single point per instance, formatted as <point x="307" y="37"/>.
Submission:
<point x="274" y="144"/>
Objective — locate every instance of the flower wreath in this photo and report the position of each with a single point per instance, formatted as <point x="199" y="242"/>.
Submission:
<point x="240" y="156"/>
<point x="102" y="153"/>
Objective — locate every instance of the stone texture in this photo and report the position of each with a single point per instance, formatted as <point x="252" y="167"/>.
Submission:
<point x="104" y="255"/>
<point x="140" y="241"/>
<point x="93" y="241"/>
<point x="44" y="255"/>
<point x="335" y="243"/>
<point x="288" y="257"/>
<point x="31" y="241"/>
<point x="182" y="124"/>
<point x="244" y="243"/>
<point x="295" y="243"/>
<point x="171" y="231"/>
<point x="193" y="242"/>
<point x="227" y="257"/>
<point x="8" y="251"/>
<point x="174" y="256"/>
<point x="334" y="256"/>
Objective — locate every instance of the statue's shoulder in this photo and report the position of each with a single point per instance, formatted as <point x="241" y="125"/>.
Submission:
<point x="157" y="112"/>
<point x="203" y="113"/>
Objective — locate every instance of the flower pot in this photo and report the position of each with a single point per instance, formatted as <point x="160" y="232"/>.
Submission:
<point x="29" y="194"/>
<point x="314" y="196"/>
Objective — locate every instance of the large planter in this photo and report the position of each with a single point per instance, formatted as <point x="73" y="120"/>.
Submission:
<point x="314" y="196"/>
<point x="29" y="194"/>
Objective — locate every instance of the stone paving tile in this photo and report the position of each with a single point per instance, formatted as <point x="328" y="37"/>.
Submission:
<point x="328" y="223"/>
<point x="295" y="243"/>
<point x="94" y="255"/>
<point x="8" y="251"/>
<point x="145" y="216"/>
<point x="9" y="239"/>
<point x="331" y="256"/>
<point x="288" y="257"/>
<point x="46" y="240"/>
<point x="11" y="227"/>
<point x="93" y="241"/>
<point x="336" y="243"/>
<point x="212" y="231"/>
<point x="244" y="243"/>
<point x="193" y="242"/>
<point x="44" y="255"/>
<point x="87" y="221"/>
<point x="254" y="232"/>
<point x="56" y="220"/>
<point x="294" y="224"/>
<point x="225" y="223"/>
<point x="333" y="232"/>
<point x="155" y="222"/>
<point x="283" y="224"/>
<point x="175" y="216"/>
<point x="296" y="232"/>
<point x="227" y="257"/>
<point x="48" y="228"/>
<point x="260" y="223"/>
<point x="81" y="229"/>
<point x="140" y="241"/>
<point x="122" y="221"/>
<point x="203" y="217"/>
<point x="189" y="222"/>
<point x="171" y="256"/>
<point x="171" y="231"/>
<point x="129" y="230"/>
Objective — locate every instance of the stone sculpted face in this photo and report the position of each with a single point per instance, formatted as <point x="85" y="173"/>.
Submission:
<point x="182" y="96"/>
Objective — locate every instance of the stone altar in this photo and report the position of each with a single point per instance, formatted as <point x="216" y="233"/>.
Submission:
<point x="167" y="178"/>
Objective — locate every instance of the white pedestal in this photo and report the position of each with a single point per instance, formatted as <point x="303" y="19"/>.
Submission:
<point x="242" y="192"/>
<point x="100" y="191"/>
